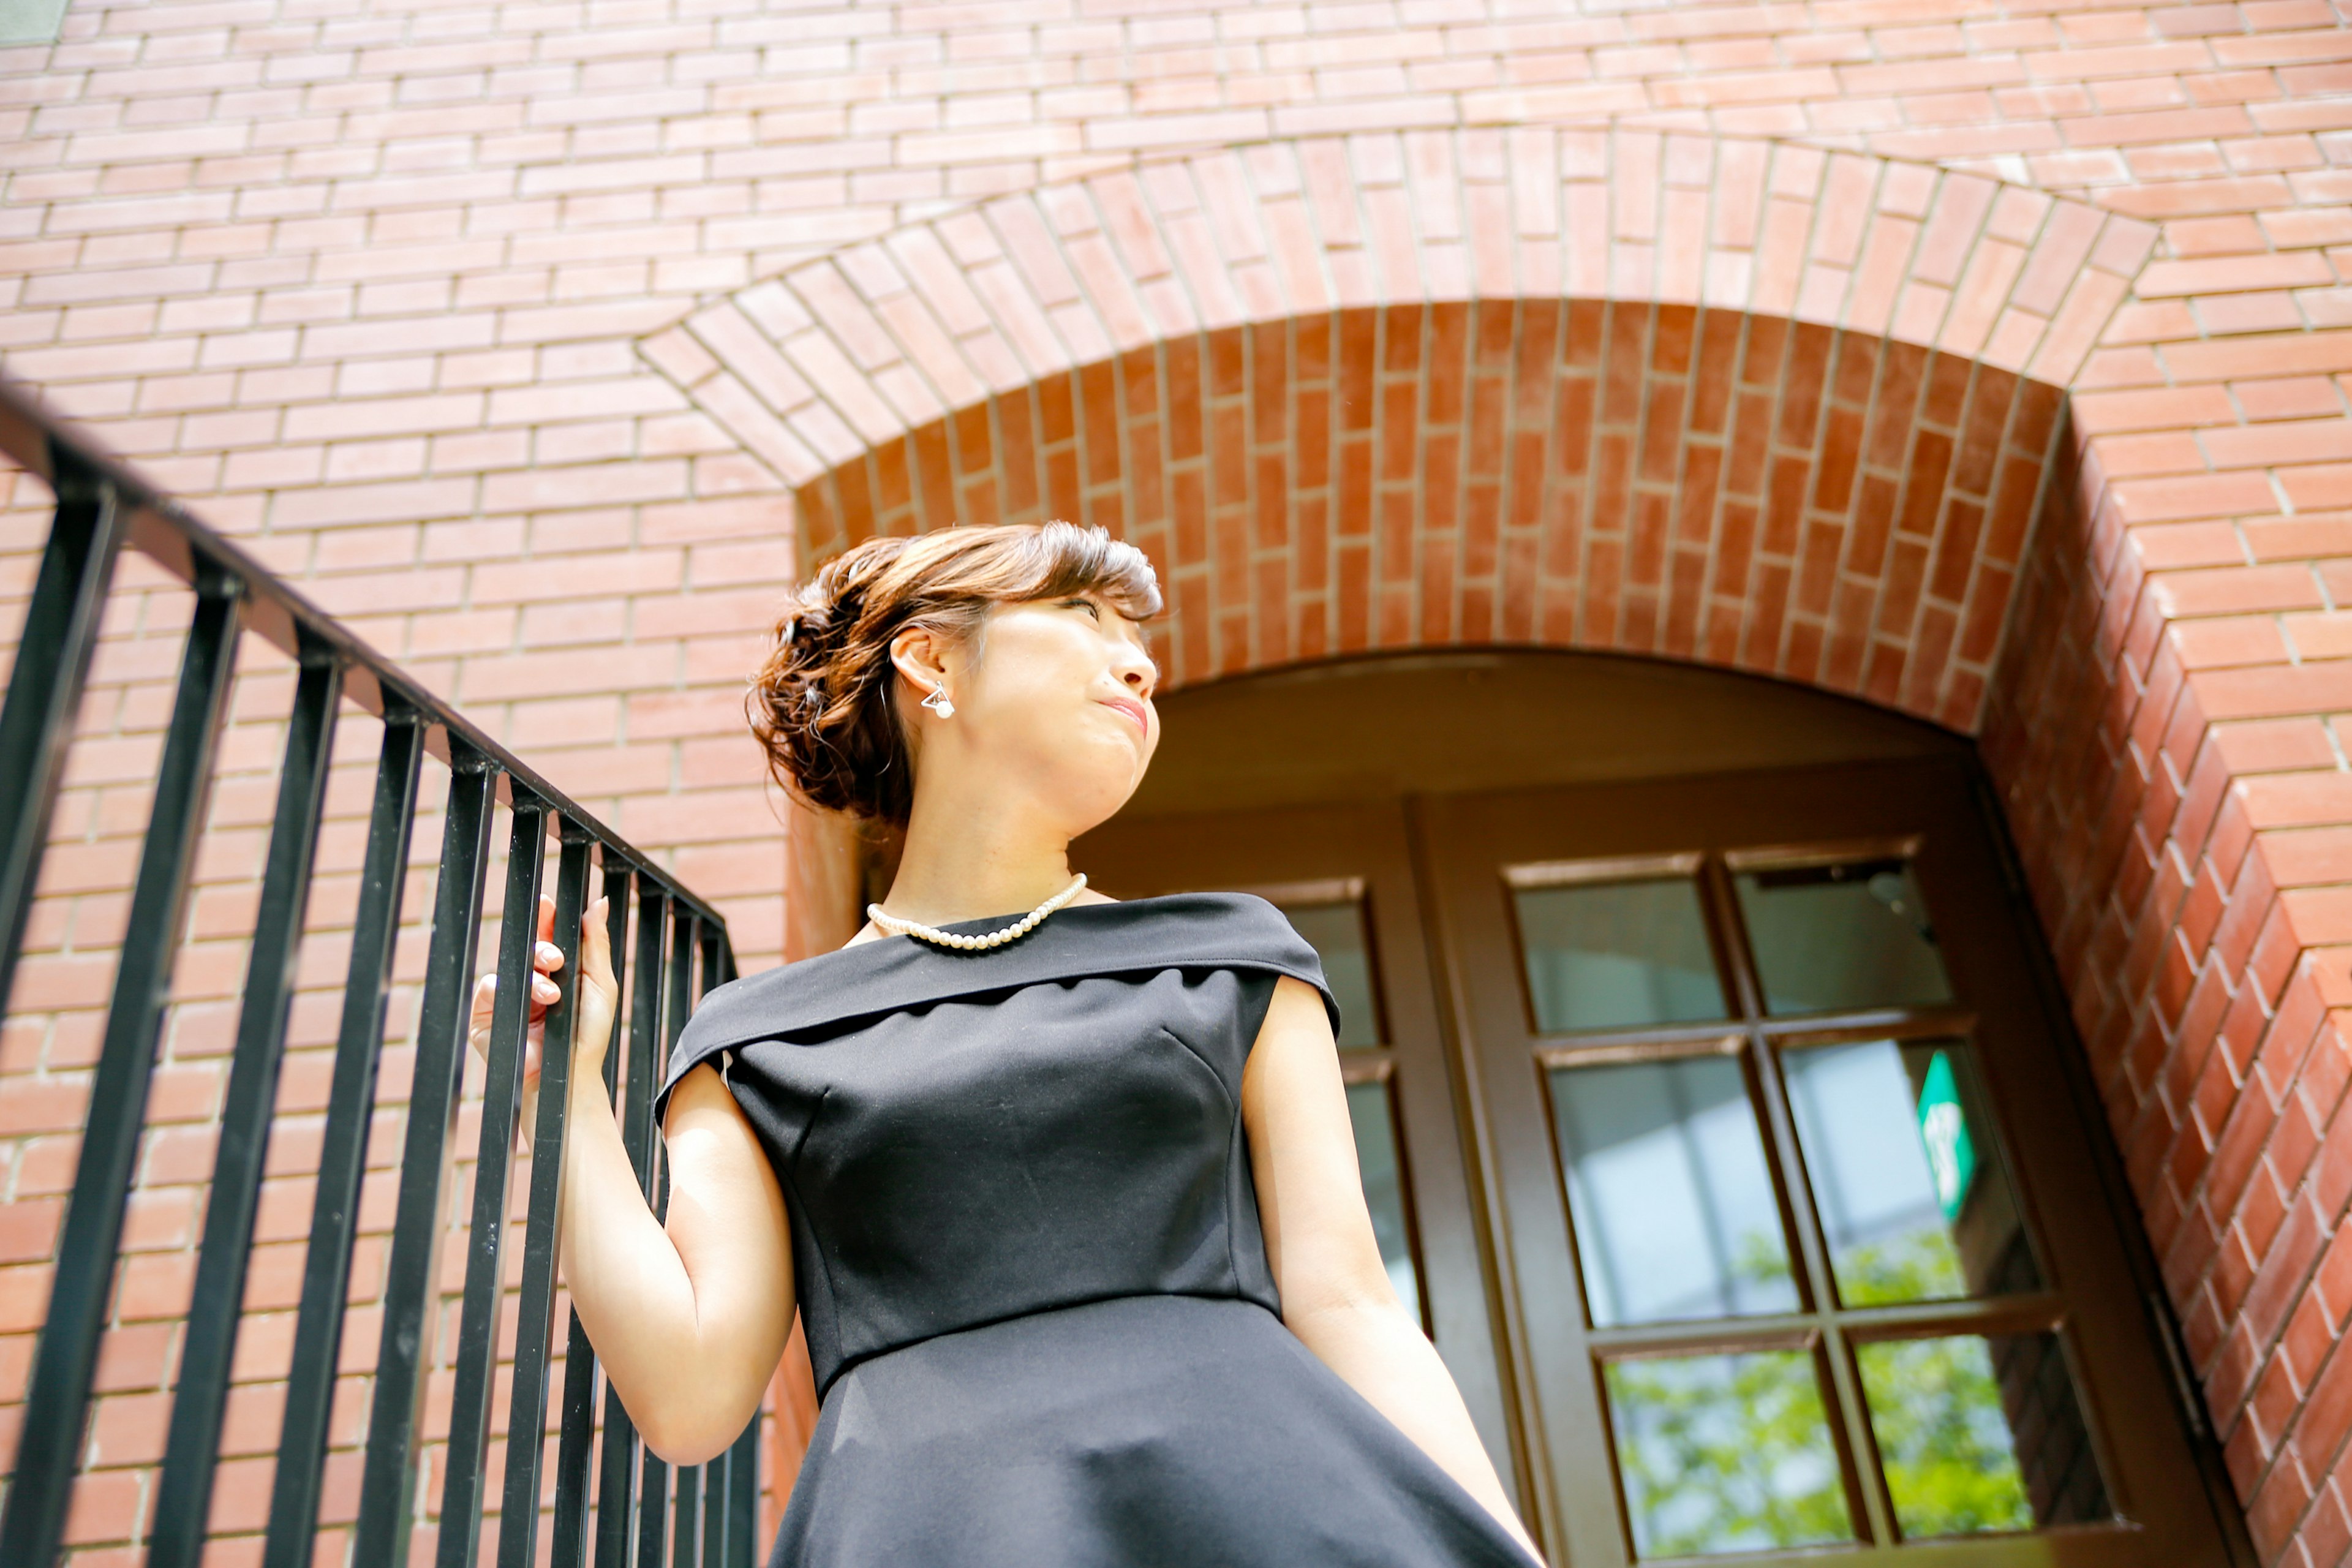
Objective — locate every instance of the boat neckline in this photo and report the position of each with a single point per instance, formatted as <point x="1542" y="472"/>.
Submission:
<point x="989" y="921"/>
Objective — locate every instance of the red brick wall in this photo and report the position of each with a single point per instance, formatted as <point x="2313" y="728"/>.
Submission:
<point x="522" y="336"/>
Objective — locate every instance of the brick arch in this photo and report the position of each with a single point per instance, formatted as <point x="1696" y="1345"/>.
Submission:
<point x="2170" y="762"/>
<point x="1733" y="401"/>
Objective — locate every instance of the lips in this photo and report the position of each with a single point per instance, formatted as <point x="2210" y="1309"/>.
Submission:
<point x="1133" y="710"/>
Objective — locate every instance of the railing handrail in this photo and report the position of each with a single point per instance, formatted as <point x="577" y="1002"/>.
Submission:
<point x="681" y="950"/>
<point x="167" y="533"/>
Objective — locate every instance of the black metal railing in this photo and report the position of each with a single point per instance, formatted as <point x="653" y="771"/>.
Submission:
<point x="642" y="1516"/>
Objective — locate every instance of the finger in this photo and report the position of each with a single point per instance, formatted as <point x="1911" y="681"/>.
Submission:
<point x="546" y="917"/>
<point x="546" y="957"/>
<point x="543" y="993"/>
<point x="485" y="997"/>
<point x="597" y="948"/>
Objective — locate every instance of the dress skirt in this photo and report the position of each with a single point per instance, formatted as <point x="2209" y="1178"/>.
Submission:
<point x="1139" y="1432"/>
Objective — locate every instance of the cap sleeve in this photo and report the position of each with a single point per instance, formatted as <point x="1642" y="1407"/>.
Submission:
<point x="706" y="1035"/>
<point x="1267" y="940"/>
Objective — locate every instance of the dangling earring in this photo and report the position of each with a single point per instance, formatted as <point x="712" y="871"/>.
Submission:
<point x="938" y="702"/>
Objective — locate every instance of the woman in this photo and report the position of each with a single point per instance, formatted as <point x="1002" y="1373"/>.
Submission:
<point x="1064" y="1188"/>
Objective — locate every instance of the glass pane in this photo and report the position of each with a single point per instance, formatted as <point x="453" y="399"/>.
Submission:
<point x="1979" y="1435"/>
<point x="1909" y="1183"/>
<point x="1854" y="934"/>
<point x="1612" y="956"/>
<point x="1376" y="1157"/>
<point x="1726" y="1453"/>
<point x="1671" y="1199"/>
<point x="1335" y="933"/>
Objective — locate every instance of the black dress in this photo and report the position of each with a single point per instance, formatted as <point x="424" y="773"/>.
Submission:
<point x="1030" y="1267"/>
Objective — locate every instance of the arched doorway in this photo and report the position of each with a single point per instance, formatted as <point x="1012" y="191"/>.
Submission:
<point x="1745" y="405"/>
<point x="1711" y="1102"/>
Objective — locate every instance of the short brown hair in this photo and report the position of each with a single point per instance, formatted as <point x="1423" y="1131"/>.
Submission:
<point x="823" y="704"/>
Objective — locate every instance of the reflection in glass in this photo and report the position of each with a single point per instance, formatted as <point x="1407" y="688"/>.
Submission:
<point x="1335" y="933"/>
<point x="1374" y="1114"/>
<point x="1905" y="1176"/>
<point x="1726" y="1453"/>
<point x="1667" y="1182"/>
<point x="1609" y="955"/>
<point x="1979" y="1435"/>
<point x="1854" y="934"/>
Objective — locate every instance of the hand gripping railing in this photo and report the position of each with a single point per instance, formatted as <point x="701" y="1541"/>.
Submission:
<point x="680" y="952"/>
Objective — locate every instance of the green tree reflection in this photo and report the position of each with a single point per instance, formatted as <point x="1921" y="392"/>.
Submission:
<point x="1732" y="1452"/>
<point x="1726" y="1453"/>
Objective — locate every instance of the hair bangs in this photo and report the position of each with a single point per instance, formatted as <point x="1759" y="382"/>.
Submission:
<point x="1074" y="560"/>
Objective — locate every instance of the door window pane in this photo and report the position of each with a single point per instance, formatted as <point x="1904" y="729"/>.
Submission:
<point x="1374" y="1114"/>
<point x="1335" y="933"/>
<point x="1726" y="1453"/>
<point x="1905" y="1173"/>
<point x="1852" y="934"/>
<point x="1980" y="1433"/>
<point x="1613" y="955"/>
<point x="1668" y="1187"/>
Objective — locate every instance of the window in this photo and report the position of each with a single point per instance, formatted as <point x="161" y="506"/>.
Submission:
<point x="31" y="21"/>
<point x="1800" y="1251"/>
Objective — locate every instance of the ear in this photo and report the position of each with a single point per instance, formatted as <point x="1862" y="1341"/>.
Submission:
<point x="921" y="655"/>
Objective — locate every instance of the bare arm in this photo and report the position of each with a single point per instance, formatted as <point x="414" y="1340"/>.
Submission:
<point x="688" y="1316"/>
<point x="1336" y="1295"/>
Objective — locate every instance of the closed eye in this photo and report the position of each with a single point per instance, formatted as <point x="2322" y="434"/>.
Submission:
<point x="1088" y="605"/>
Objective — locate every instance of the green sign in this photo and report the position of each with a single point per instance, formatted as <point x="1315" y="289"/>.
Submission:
<point x="1944" y="1130"/>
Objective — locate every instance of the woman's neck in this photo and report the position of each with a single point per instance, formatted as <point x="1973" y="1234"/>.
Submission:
<point x="961" y="865"/>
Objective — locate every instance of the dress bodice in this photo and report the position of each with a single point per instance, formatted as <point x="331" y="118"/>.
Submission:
<point x="966" y="1137"/>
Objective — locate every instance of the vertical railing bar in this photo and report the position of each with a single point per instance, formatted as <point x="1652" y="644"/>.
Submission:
<point x="678" y="1007"/>
<point x="535" y="1310"/>
<point x="44" y="699"/>
<point x="718" y="957"/>
<point x="717" y="1476"/>
<point x="56" y="1401"/>
<point x="616" y="1501"/>
<point x="658" y="966"/>
<point x="653" y="1479"/>
<point x="653" y="1511"/>
<point x="477" y="1325"/>
<point x="653" y="1531"/>
<point x="343" y="1153"/>
<point x="685" y="1514"/>
<point x="700" y="1527"/>
<point x="743" y="1498"/>
<point x="577" y="1428"/>
<point x="192" y="1452"/>
<point x="388" y="1477"/>
<point x="680" y="1004"/>
<point x="620" y="879"/>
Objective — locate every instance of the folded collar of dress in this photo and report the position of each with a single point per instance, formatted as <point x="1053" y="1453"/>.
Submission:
<point x="891" y="974"/>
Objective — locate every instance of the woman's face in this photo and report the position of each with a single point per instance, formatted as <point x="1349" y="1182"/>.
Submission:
<point x="1053" y="699"/>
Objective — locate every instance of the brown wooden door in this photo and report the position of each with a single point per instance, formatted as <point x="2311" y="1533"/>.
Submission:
<point x="1803" y="1244"/>
<point x="1735" y="1162"/>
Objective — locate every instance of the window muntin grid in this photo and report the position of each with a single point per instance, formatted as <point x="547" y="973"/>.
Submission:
<point x="1807" y="1016"/>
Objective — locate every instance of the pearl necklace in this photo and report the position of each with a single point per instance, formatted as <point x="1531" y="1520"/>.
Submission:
<point x="1013" y="932"/>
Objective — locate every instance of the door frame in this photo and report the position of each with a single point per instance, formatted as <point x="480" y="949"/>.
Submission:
<point x="2132" y="1393"/>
